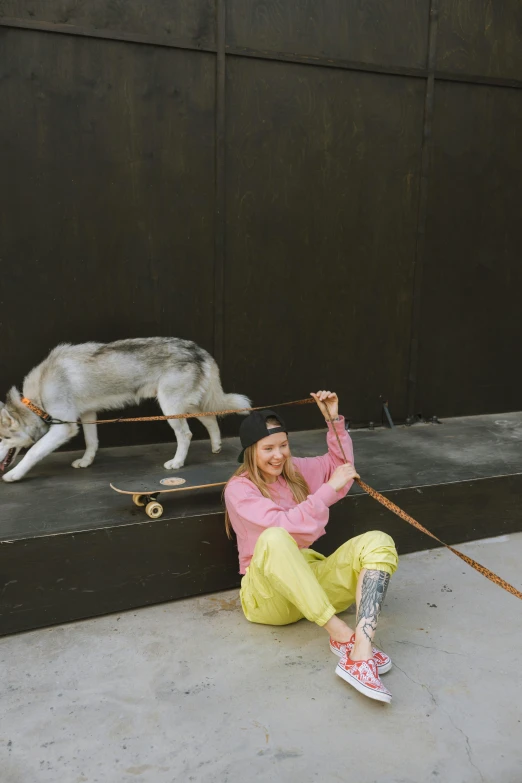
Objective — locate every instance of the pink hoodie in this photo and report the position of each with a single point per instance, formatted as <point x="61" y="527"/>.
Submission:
<point x="251" y="513"/>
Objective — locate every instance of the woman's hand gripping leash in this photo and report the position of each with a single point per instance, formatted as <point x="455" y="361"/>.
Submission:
<point x="328" y="404"/>
<point x="371" y="584"/>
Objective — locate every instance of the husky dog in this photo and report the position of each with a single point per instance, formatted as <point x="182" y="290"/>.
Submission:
<point x="76" y="381"/>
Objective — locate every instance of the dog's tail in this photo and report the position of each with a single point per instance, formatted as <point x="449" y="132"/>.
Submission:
<point x="217" y="400"/>
<point x="237" y="401"/>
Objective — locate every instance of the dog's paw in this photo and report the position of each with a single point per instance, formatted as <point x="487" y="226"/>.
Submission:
<point x="82" y="463"/>
<point x="11" y="476"/>
<point x="217" y="450"/>
<point x="174" y="464"/>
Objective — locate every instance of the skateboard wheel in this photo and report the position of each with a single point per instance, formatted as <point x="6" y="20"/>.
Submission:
<point x="139" y="500"/>
<point x="154" y="509"/>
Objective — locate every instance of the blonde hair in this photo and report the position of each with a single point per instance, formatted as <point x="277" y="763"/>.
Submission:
<point x="297" y="484"/>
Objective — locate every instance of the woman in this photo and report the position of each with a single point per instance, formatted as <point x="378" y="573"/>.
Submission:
<point x="278" y="505"/>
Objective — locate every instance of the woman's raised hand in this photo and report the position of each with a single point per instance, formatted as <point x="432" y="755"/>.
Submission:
<point x="331" y="399"/>
<point x="342" y="475"/>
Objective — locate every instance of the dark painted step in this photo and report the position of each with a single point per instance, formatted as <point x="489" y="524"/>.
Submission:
<point x="71" y="548"/>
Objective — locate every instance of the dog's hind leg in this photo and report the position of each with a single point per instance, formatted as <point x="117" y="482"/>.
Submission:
<point x="212" y="427"/>
<point x="91" y="441"/>
<point x="57" y="435"/>
<point x="170" y="405"/>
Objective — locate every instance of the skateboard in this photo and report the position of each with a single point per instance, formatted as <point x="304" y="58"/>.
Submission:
<point x="148" y="499"/>
<point x="146" y="496"/>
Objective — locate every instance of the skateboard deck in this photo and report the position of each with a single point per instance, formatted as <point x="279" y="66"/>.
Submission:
<point x="146" y="490"/>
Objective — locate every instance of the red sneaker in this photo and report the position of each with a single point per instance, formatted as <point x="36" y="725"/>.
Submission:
<point x="363" y="676"/>
<point x="344" y="649"/>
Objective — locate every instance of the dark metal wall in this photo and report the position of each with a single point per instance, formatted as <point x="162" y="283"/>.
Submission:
<point x="320" y="192"/>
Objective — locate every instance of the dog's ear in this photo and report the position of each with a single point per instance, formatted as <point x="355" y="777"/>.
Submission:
<point x="13" y="397"/>
<point x="7" y="421"/>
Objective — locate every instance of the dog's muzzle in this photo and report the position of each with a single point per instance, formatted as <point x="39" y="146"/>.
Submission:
<point x="7" y="460"/>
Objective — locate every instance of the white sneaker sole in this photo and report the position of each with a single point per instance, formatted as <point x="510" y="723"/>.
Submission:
<point x="359" y="686"/>
<point x="381" y="669"/>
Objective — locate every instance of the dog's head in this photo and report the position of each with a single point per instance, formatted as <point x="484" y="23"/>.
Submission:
<point x="19" y="428"/>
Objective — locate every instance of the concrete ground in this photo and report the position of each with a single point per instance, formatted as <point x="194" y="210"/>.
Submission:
<point x="189" y="691"/>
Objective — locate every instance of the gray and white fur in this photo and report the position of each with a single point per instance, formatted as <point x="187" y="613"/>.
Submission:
<point x="76" y="381"/>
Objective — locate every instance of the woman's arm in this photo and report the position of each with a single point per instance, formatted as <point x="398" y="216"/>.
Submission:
<point x="318" y="470"/>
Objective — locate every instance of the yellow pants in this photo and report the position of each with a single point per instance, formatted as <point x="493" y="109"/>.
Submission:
<point x="283" y="583"/>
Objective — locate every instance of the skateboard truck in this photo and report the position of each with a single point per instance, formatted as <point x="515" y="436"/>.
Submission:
<point x="153" y="509"/>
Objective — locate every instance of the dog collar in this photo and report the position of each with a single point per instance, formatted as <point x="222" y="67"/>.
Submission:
<point x="39" y="412"/>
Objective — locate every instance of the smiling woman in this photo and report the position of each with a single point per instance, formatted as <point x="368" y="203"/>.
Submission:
<point x="265" y="457"/>
<point x="278" y="505"/>
<point x="272" y="451"/>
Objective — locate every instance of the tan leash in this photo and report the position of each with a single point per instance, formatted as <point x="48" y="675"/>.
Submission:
<point x="308" y="401"/>
<point x="49" y="420"/>
<point x="407" y="518"/>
